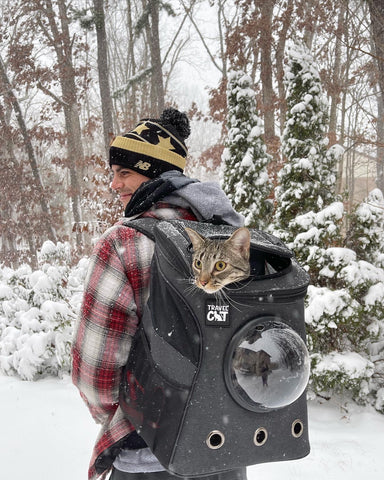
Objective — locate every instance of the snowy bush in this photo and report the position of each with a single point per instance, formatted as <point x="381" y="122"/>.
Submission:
<point x="37" y="311"/>
<point x="342" y="372"/>
<point x="329" y="316"/>
<point x="344" y="307"/>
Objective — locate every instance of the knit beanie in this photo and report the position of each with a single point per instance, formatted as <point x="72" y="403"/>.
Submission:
<point x="154" y="146"/>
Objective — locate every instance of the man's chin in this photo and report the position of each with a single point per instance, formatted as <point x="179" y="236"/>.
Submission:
<point x="125" y="200"/>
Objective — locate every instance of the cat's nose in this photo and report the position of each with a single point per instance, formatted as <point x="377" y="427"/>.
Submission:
<point x="203" y="282"/>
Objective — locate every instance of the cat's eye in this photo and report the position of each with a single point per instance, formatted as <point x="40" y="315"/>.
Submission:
<point x="198" y="264"/>
<point x="220" y="265"/>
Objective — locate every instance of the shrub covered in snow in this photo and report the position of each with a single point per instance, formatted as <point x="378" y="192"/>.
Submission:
<point x="342" y="371"/>
<point x="344" y="305"/>
<point x="37" y="310"/>
<point x="245" y="176"/>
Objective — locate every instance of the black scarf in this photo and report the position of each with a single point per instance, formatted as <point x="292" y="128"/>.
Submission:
<point x="155" y="190"/>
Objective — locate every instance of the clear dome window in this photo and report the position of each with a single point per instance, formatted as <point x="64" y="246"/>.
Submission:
<point x="267" y="365"/>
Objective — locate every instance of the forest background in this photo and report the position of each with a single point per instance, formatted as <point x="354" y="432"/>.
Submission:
<point x="75" y="73"/>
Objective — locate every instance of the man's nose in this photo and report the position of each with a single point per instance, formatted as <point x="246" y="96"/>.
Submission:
<point x="116" y="183"/>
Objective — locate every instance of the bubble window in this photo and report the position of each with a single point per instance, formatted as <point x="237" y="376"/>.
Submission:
<point x="266" y="365"/>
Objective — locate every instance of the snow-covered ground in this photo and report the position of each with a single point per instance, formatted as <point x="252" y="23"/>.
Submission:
<point x="47" y="434"/>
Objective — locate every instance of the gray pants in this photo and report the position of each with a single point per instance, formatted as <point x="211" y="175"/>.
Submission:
<point x="237" y="474"/>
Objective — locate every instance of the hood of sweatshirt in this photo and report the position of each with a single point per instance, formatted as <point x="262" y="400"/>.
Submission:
<point x="206" y="200"/>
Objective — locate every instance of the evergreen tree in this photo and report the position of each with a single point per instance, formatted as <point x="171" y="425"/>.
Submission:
<point x="245" y="160"/>
<point x="307" y="180"/>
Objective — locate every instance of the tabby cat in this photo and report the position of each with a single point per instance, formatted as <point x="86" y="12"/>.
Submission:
<point x="216" y="262"/>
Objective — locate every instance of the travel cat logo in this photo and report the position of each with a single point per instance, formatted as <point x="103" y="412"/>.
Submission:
<point x="217" y="315"/>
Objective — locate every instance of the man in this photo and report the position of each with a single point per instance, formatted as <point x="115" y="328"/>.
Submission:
<point x="147" y="165"/>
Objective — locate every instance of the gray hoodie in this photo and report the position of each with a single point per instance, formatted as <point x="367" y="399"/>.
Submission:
<point x="205" y="199"/>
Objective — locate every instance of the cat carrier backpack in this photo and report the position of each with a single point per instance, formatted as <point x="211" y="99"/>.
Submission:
<point x="217" y="382"/>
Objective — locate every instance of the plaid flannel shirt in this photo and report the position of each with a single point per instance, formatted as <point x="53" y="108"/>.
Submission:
<point x="116" y="289"/>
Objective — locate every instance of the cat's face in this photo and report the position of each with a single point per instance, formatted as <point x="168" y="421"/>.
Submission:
<point x="217" y="263"/>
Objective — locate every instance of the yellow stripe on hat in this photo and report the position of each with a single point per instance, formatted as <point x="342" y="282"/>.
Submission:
<point x="149" y="150"/>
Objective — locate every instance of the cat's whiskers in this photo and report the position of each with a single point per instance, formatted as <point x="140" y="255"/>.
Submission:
<point x="243" y="284"/>
<point x="192" y="288"/>
<point x="235" y="304"/>
<point x="220" y="295"/>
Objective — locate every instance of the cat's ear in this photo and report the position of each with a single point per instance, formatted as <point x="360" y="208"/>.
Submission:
<point x="241" y="240"/>
<point x="196" y="239"/>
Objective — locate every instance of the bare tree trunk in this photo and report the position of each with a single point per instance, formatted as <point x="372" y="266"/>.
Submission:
<point x="380" y="143"/>
<point x="280" y="52"/>
<point x="102" y="65"/>
<point x="266" y="9"/>
<point x="220" y="17"/>
<point x="336" y="80"/>
<point x="132" y="60"/>
<point x="376" y="8"/>
<point x="157" y="72"/>
<point x="62" y="43"/>
<point x="310" y="23"/>
<point x="347" y="64"/>
<point x="7" y="236"/>
<point x="29" y="148"/>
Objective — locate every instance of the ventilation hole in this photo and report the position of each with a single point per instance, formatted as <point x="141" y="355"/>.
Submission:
<point x="260" y="437"/>
<point x="215" y="440"/>
<point x="297" y="428"/>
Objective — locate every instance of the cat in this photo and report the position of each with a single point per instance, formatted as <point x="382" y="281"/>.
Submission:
<point x="217" y="263"/>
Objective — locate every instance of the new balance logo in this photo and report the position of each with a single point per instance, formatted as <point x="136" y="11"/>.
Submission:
<point x="143" y="165"/>
<point x="217" y="315"/>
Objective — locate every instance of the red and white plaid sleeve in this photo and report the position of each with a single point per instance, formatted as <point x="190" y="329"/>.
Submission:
<point x="115" y="290"/>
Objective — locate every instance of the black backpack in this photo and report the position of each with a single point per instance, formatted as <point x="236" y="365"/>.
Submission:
<point x="218" y="382"/>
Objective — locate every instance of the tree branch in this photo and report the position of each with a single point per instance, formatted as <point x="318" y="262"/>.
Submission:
<point x="51" y="94"/>
<point x="188" y="11"/>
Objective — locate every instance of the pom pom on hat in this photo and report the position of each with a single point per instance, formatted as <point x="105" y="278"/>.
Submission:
<point x="178" y="120"/>
<point x="154" y="146"/>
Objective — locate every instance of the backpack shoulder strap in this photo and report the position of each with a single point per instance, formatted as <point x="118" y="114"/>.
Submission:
<point x="144" y="225"/>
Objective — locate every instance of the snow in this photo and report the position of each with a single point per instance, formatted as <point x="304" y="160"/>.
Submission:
<point x="360" y="271"/>
<point x="255" y="132"/>
<point x="47" y="433"/>
<point x="48" y="248"/>
<point x="324" y="303"/>
<point x="353" y="364"/>
<point x="333" y="211"/>
<point x="375" y="294"/>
